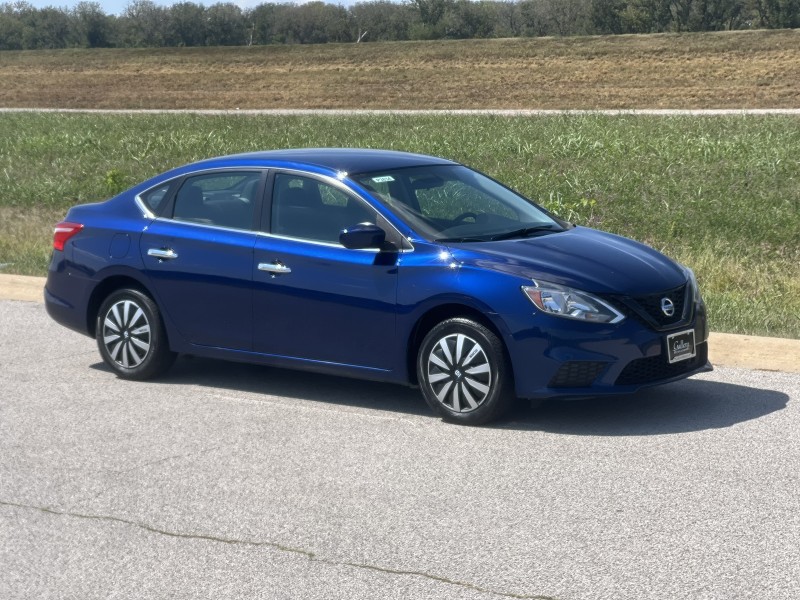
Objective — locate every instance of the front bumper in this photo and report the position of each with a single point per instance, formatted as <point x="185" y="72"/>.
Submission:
<point x="574" y="359"/>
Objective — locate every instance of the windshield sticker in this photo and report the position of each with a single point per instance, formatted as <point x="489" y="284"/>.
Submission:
<point x="383" y="179"/>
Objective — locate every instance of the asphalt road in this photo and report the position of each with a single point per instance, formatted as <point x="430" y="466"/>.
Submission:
<point x="233" y="481"/>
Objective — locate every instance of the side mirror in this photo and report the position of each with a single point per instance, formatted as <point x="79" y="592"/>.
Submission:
<point x="362" y="236"/>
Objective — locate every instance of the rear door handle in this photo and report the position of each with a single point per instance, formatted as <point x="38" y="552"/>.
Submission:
<point x="162" y="253"/>
<point x="274" y="267"/>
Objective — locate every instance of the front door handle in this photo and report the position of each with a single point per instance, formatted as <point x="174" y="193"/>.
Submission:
<point x="274" y="267"/>
<point x="162" y="253"/>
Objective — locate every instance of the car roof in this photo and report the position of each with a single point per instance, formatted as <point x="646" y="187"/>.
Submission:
<point x="348" y="160"/>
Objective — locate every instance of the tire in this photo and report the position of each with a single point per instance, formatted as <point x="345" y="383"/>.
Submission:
<point x="463" y="372"/>
<point x="131" y="336"/>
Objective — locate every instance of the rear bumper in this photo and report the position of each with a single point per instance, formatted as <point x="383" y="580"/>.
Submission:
<point x="66" y="296"/>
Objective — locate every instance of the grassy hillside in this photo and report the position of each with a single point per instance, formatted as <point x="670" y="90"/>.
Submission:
<point x="744" y="69"/>
<point x="721" y="194"/>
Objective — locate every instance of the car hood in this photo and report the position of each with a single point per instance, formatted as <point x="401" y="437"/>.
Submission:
<point x="580" y="257"/>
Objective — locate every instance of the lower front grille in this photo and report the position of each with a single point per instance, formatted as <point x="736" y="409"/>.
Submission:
<point x="577" y="374"/>
<point x="656" y="368"/>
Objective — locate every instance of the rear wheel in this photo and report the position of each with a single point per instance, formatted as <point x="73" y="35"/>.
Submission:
<point x="463" y="372"/>
<point x="131" y="337"/>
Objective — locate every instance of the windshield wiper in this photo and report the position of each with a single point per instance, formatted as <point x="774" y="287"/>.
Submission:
<point x="458" y="240"/>
<point x="525" y="232"/>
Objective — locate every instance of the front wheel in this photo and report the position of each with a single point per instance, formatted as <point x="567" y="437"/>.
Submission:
<point x="131" y="336"/>
<point x="463" y="372"/>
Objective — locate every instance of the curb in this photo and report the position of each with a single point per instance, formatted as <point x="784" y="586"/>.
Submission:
<point x="725" y="349"/>
<point x="22" y="287"/>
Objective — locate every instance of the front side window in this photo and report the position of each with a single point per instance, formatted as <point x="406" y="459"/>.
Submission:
<point x="306" y="208"/>
<point x="222" y="199"/>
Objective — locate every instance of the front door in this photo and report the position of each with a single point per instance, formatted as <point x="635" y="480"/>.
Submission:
<point x="314" y="299"/>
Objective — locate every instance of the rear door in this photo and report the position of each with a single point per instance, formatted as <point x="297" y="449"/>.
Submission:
<point x="199" y="256"/>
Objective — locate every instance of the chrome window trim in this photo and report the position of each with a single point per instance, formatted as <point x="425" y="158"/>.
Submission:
<point x="329" y="244"/>
<point x="332" y="181"/>
<point x="206" y="225"/>
<point x="147" y="213"/>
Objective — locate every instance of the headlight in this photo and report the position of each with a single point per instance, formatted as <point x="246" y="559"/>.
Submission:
<point x="562" y="301"/>
<point x="693" y="283"/>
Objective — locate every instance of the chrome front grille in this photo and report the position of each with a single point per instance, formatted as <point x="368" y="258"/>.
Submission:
<point x="649" y="308"/>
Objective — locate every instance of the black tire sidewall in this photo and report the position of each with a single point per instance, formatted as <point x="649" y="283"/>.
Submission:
<point x="498" y="400"/>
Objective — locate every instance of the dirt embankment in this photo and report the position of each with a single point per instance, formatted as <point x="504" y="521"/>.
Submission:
<point x="745" y="69"/>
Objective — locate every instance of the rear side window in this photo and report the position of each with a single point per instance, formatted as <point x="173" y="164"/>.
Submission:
<point x="222" y="199"/>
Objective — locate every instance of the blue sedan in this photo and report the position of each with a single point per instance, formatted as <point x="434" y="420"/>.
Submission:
<point x="374" y="264"/>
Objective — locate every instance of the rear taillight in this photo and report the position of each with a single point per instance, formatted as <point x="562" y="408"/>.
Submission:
<point x="63" y="232"/>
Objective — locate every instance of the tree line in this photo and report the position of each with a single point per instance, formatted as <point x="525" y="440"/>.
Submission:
<point x="145" y="24"/>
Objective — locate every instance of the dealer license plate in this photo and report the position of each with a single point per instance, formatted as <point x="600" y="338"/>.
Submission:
<point x="681" y="346"/>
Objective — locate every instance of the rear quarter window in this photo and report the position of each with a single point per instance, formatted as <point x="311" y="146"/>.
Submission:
<point x="155" y="199"/>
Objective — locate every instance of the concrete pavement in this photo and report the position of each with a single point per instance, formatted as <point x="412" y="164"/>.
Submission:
<point x="232" y="481"/>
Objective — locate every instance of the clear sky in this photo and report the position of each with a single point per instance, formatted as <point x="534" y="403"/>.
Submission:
<point x="115" y="7"/>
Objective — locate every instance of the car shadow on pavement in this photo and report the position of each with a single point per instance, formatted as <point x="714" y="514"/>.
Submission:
<point x="249" y="378"/>
<point x="680" y="407"/>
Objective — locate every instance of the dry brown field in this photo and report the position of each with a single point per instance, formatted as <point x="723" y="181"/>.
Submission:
<point x="750" y="69"/>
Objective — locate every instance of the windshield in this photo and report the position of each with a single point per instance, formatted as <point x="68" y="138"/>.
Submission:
<point x="451" y="203"/>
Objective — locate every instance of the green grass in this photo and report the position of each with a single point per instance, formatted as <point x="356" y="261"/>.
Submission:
<point x="721" y="194"/>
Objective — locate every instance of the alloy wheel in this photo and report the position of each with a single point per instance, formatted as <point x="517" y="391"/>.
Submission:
<point x="126" y="333"/>
<point x="459" y="373"/>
